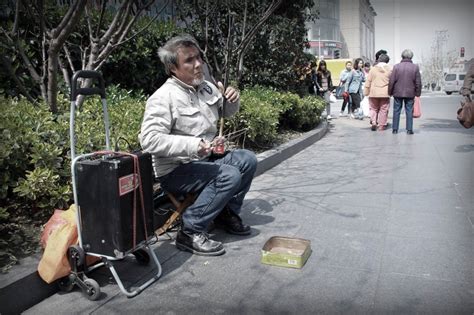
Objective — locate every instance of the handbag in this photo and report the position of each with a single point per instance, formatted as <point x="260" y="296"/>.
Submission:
<point x="466" y="114"/>
<point x="54" y="263"/>
<point x="365" y="107"/>
<point x="332" y="98"/>
<point x="417" y="108"/>
<point x="339" y="91"/>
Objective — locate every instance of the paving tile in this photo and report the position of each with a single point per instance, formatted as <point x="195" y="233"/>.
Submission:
<point x="403" y="294"/>
<point x="346" y="248"/>
<point x="434" y="259"/>
<point x="452" y="225"/>
<point x="428" y="201"/>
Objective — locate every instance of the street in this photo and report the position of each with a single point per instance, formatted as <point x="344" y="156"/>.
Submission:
<point x="390" y="219"/>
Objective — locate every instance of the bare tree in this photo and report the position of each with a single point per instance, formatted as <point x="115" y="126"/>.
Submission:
<point x="221" y="32"/>
<point x="439" y="62"/>
<point x="55" y="51"/>
<point x="44" y="71"/>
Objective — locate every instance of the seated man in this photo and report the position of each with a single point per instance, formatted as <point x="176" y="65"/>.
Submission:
<point x="179" y="129"/>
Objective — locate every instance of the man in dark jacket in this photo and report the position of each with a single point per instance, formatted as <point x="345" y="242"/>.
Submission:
<point x="404" y="85"/>
<point x="468" y="81"/>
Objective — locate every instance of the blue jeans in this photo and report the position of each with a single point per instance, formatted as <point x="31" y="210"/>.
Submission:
<point x="397" y="108"/>
<point x="220" y="182"/>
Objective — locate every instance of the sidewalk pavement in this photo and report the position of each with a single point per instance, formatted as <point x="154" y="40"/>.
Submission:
<point x="24" y="278"/>
<point x="390" y="219"/>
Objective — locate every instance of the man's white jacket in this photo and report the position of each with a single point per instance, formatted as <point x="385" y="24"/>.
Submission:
<point x="177" y="116"/>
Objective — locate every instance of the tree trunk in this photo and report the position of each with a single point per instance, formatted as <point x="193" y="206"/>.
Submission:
<point x="52" y="80"/>
<point x="56" y="42"/>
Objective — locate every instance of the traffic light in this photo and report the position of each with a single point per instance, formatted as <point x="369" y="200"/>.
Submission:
<point x="337" y="54"/>
<point x="462" y="52"/>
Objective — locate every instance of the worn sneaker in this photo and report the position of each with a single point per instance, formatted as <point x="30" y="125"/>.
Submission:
<point x="341" y="114"/>
<point x="329" y="117"/>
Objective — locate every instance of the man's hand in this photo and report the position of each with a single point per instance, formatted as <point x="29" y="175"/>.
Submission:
<point x="204" y="148"/>
<point x="467" y="99"/>
<point x="231" y="93"/>
<point x="218" y="145"/>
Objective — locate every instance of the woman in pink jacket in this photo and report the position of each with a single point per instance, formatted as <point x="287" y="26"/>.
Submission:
<point x="376" y="88"/>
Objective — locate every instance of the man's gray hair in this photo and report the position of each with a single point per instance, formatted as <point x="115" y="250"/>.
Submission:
<point x="407" y="54"/>
<point x="169" y="52"/>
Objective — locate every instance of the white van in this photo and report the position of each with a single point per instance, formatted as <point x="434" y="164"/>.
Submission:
<point x="453" y="82"/>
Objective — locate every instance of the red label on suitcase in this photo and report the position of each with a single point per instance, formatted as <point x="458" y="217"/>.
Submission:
<point x="126" y="184"/>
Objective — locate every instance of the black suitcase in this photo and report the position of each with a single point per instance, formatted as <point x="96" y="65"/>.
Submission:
<point x="106" y="195"/>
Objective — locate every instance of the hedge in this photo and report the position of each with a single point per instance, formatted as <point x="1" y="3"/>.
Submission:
<point x="35" y="151"/>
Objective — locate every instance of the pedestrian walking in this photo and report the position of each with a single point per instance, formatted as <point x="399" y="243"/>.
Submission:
<point x="354" y="85"/>
<point x="345" y="94"/>
<point x="404" y="85"/>
<point x="376" y="89"/>
<point x="324" y="85"/>
<point x="378" y="54"/>
<point x="366" y="69"/>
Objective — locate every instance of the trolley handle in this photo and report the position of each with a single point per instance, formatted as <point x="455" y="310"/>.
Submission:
<point x="77" y="90"/>
<point x="87" y="74"/>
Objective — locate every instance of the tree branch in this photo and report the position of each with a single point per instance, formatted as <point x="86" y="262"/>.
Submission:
<point x="17" y="13"/>
<point x="69" y="58"/>
<point x="111" y="30"/>
<point x="101" y="18"/>
<point x="145" y="27"/>
<point x="246" y="41"/>
<point x="69" y="21"/>
<point x="8" y="66"/>
<point x="66" y="76"/>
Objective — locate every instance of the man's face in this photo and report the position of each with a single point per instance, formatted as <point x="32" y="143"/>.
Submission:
<point x="349" y="66"/>
<point x="189" y="68"/>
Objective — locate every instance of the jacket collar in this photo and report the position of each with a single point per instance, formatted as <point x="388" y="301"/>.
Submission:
<point x="407" y="60"/>
<point x="181" y="83"/>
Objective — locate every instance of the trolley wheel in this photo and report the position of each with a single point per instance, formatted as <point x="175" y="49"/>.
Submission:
<point x="142" y="256"/>
<point x="93" y="289"/>
<point x="66" y="284"/>
<point x="76" y="253"/>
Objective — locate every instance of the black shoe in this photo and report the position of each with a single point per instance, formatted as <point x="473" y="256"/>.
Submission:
<point x="410" y="132"/>
<point x="373" y="127"/>
<point x="199" y="244"/>
<point x="394" y="131"/>
<point x="232" y="223"/>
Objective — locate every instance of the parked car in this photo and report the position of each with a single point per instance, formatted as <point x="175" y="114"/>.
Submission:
<point x="453" y="82"/>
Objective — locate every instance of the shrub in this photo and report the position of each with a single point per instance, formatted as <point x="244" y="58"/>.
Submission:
<point x="306" y="114"/>
<point x="35" y="160"/>
<point x="35" y="151"/>
<point x="265" y="111"/>
<point x="258" y="115"/>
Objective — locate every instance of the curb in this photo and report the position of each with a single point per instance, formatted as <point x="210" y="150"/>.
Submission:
<point x="13" y="299"/>
<point x="273" y="157"/>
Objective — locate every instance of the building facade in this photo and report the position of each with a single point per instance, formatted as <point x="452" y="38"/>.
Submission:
<point x="324" y="34"/>
<point x="345" y="29"/>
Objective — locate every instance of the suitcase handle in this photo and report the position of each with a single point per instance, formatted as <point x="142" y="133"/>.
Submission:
<point x="87" y="74"/>
<point x="75" y="91"/>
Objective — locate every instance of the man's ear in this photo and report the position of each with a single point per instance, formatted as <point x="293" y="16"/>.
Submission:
<point x="173" y="69"/>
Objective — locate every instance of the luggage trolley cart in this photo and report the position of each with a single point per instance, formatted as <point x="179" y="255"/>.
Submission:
<point x="106" y="185"/>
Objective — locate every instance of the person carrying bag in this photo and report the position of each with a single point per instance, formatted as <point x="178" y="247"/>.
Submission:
<point x="465" y="114"/>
